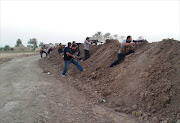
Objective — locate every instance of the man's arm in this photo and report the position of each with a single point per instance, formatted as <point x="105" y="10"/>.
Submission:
<point x="75" y="47"/>
<point x="67" y="53"/>
<point x="132" y="48"/>
<point x="88" y="42"/>
<point x="128" y="44"/>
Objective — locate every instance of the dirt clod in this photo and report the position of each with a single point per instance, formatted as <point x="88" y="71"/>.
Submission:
<point x="134" y="107"/>
<point x="155" y="120"/>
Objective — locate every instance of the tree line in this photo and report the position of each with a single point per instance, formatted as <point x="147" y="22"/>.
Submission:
<point x="102" y="37"/>
<point x="32" y="43"/>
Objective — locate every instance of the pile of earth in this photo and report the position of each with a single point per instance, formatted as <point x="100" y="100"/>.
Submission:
<point x="146" y="84"/>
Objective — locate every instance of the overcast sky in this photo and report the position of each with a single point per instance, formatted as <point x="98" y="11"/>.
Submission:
<point x="64" y="21"/>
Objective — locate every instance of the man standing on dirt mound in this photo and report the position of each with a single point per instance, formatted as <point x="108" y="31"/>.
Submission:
<point x="60" y="48"/>
<point x="69" y="58"/>
<point x="126" y="48"/>
<point x="87" y="43"/>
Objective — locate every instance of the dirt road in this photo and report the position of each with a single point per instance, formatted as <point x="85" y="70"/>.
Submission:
<point x="27" y="95"/>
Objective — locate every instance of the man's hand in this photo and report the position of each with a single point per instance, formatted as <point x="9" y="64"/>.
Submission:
<point x="73" y="56"/>
<point x="70" y="55"/>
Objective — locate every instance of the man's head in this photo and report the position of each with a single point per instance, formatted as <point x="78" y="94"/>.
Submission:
<point x="59" y="44"/>
<point x="87" y="38"/>
<point x="69" y="44"/>
<point x="73" y="42"/>
<point x="129" y="39"/>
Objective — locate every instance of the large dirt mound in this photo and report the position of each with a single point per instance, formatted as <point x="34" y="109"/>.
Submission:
<point x="146" y="84"/>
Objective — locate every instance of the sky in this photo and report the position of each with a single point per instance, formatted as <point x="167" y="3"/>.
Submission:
<point x="65" y="21"/>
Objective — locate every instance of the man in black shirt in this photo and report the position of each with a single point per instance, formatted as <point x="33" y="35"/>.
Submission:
<point x="69" y="58"/>
<point x="74" y="47"/>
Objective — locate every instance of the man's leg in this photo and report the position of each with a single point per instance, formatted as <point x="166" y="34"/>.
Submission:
<point x="59" y="51"/>
<point x="41" y="53"/>
<point x="120" y="58"/>
<point x="77" y="65"/>
<point x="130" y="51"/>
<point x="88" y="55"/>
<point x="86" y="52"/>
<point x="78" y="54"/>
<point x="45" y="53"/>
<point x="66" y="65"/>
<point x="49" y="51"/>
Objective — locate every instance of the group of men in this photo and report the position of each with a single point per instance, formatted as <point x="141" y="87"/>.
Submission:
<point x="127" y="47"/>
<point x="49" y="49"/>
<point x="72" y="52"/>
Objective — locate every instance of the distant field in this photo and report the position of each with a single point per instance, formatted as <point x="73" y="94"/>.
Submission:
<point x="7" y="56"/>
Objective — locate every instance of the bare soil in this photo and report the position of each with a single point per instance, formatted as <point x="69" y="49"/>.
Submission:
<point x="146" y="84"/>
<point x="29" y="95"/>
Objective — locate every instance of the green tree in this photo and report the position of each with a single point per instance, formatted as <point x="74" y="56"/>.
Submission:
<point x="7" y="47"/>
<point x="98" y="36"/>
<point x="140" y="38"/>
<point x="41" y="44"/>
<point x="115" y="36"/>
<point x="33" y="43"/>
<point x="107" y="36"/>
<point x="122" y="38"/>
<point x="1" y="48"/>
<point x="18" y="42"/>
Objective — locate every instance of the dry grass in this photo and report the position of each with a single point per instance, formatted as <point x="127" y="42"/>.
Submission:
<point x="7" y="56"/>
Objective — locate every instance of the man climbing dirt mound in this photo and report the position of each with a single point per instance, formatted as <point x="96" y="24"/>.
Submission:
<point x="146" y="84"/>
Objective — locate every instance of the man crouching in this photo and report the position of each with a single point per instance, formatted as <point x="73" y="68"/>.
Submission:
<point x="69" y="58"/>
<point x="126" y="48"/>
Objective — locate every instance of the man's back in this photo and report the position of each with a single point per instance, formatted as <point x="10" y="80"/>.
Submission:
<point x="74" y="48"/>
<point x="86" y="45"/>
<point x="66" y="57"/>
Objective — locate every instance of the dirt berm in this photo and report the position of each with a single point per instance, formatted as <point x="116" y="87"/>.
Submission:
<point x="146" y="84"/>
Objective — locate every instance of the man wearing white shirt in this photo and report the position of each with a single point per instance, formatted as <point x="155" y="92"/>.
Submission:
<point x="87" y="43"/>
<point x="126" y="48"/>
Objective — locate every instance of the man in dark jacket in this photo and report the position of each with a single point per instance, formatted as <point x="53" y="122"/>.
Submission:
<point x="69" y="58"/>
